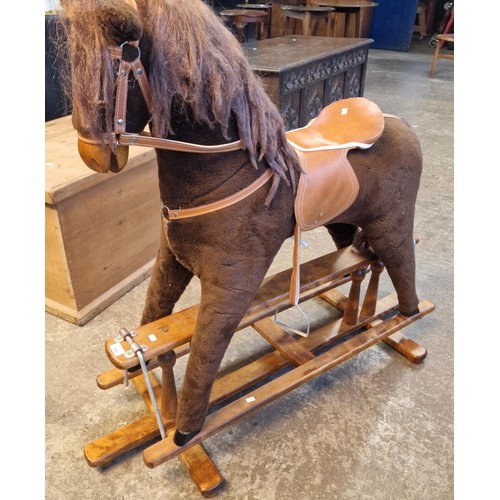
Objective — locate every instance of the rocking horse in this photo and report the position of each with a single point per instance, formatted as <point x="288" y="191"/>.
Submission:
<point x="234" y="186"/>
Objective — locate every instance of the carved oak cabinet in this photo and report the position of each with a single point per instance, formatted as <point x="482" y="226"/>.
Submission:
<point x="303" y="74"/>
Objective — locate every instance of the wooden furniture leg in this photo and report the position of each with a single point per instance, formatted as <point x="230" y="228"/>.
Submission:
<point x="306" y="24"/>
<point x="168" y="407"/>
<point x="437" y="55"/>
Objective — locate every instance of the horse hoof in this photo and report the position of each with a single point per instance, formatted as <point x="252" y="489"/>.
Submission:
<point x="181" y="438"/>
<point x="412" y="313"/>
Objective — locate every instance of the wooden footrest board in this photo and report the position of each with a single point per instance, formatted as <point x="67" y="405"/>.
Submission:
<point x="291" y="349"/>
<point x="173" y="331"/>
<point x="202" y="470"/>
<point x="166" y="449"/>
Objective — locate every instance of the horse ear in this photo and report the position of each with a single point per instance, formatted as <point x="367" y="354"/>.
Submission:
<point x="119" y="21"/>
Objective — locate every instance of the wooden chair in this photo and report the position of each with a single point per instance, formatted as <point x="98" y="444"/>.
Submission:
<point x="437" y="54"/>
<point x="311" y="17"/>
<point x="242" y="17"/>
<point x="264" y="6"/>
<point x="419" y="26"/>
<point x="347" y="18"/>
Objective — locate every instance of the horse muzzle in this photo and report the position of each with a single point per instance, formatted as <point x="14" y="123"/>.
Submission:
<point x="101" y="158"/>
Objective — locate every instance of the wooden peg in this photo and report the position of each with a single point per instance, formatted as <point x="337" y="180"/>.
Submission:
<point x="371" y="296"/>
<point x="352" y="306"/>
<point x="168" y="390"/>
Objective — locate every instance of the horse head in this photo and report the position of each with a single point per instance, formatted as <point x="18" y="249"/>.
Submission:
<point x="107" y="75"/>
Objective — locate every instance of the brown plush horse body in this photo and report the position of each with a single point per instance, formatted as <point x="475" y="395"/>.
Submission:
<point x="204" y="92"/>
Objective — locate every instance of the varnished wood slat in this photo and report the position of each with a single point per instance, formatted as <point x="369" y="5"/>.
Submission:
<point x="202" y="470"/>
<point x="114" y="376"/>
<point x="293" y="350"/>
<point x="170" y="332"/>
<point x="164" y="450"/>
<point x="104" y="450"/>
<point x="335" y="298"/>
<point x="408" y="348"/>
<point x="142" y="389"/>
<point x="247" y="376"/>
<point x="327" y="271"/>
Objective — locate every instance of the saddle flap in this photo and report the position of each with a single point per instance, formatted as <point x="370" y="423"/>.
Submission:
<point x="328" y="185"/>
<point x="354" y="122"/>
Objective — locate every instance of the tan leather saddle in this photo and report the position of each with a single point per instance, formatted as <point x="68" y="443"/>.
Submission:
<point x="328" y="184"/>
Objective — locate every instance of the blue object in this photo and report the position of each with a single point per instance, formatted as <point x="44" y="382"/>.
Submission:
<point x="392" y="24"/>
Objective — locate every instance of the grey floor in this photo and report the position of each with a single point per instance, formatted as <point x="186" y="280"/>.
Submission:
<point x="377" y="427"/>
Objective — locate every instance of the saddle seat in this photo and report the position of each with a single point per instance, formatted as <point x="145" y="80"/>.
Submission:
<point x="328" y="185"/>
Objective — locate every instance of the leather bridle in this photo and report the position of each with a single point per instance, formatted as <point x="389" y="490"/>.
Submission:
<point x="120" y="137"/>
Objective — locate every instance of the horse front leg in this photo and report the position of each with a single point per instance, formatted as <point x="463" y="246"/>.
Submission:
<point x="168" y="281"/>
<point x="223" y="305"/>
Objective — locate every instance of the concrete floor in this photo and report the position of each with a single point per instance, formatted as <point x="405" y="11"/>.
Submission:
<point x="377" y="427"/>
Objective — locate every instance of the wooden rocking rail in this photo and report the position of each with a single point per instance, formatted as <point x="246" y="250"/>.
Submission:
<point x="167" y="339"/>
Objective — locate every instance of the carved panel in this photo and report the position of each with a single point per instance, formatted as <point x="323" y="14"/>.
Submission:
<point x="334" y="89"/>
<point x="313" y="72"/>
<point x="353" y="82"/>
<point x="290" y="109"/>
<point x="312" y="102"/>
<point x="302" y="75"/>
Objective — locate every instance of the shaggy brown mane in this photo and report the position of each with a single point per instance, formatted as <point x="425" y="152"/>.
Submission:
<point x="195" y="59"/>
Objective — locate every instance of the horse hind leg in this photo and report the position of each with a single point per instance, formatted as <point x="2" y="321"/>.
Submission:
<point x="396" y="249"/>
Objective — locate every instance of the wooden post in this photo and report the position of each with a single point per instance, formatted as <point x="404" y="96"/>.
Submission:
<point x="371" y="296"/>
<point x="352" y="306"/>
<point x="168" y="407"/>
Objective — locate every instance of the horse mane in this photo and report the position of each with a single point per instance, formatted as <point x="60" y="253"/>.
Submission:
<point x="195" y="60"/>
